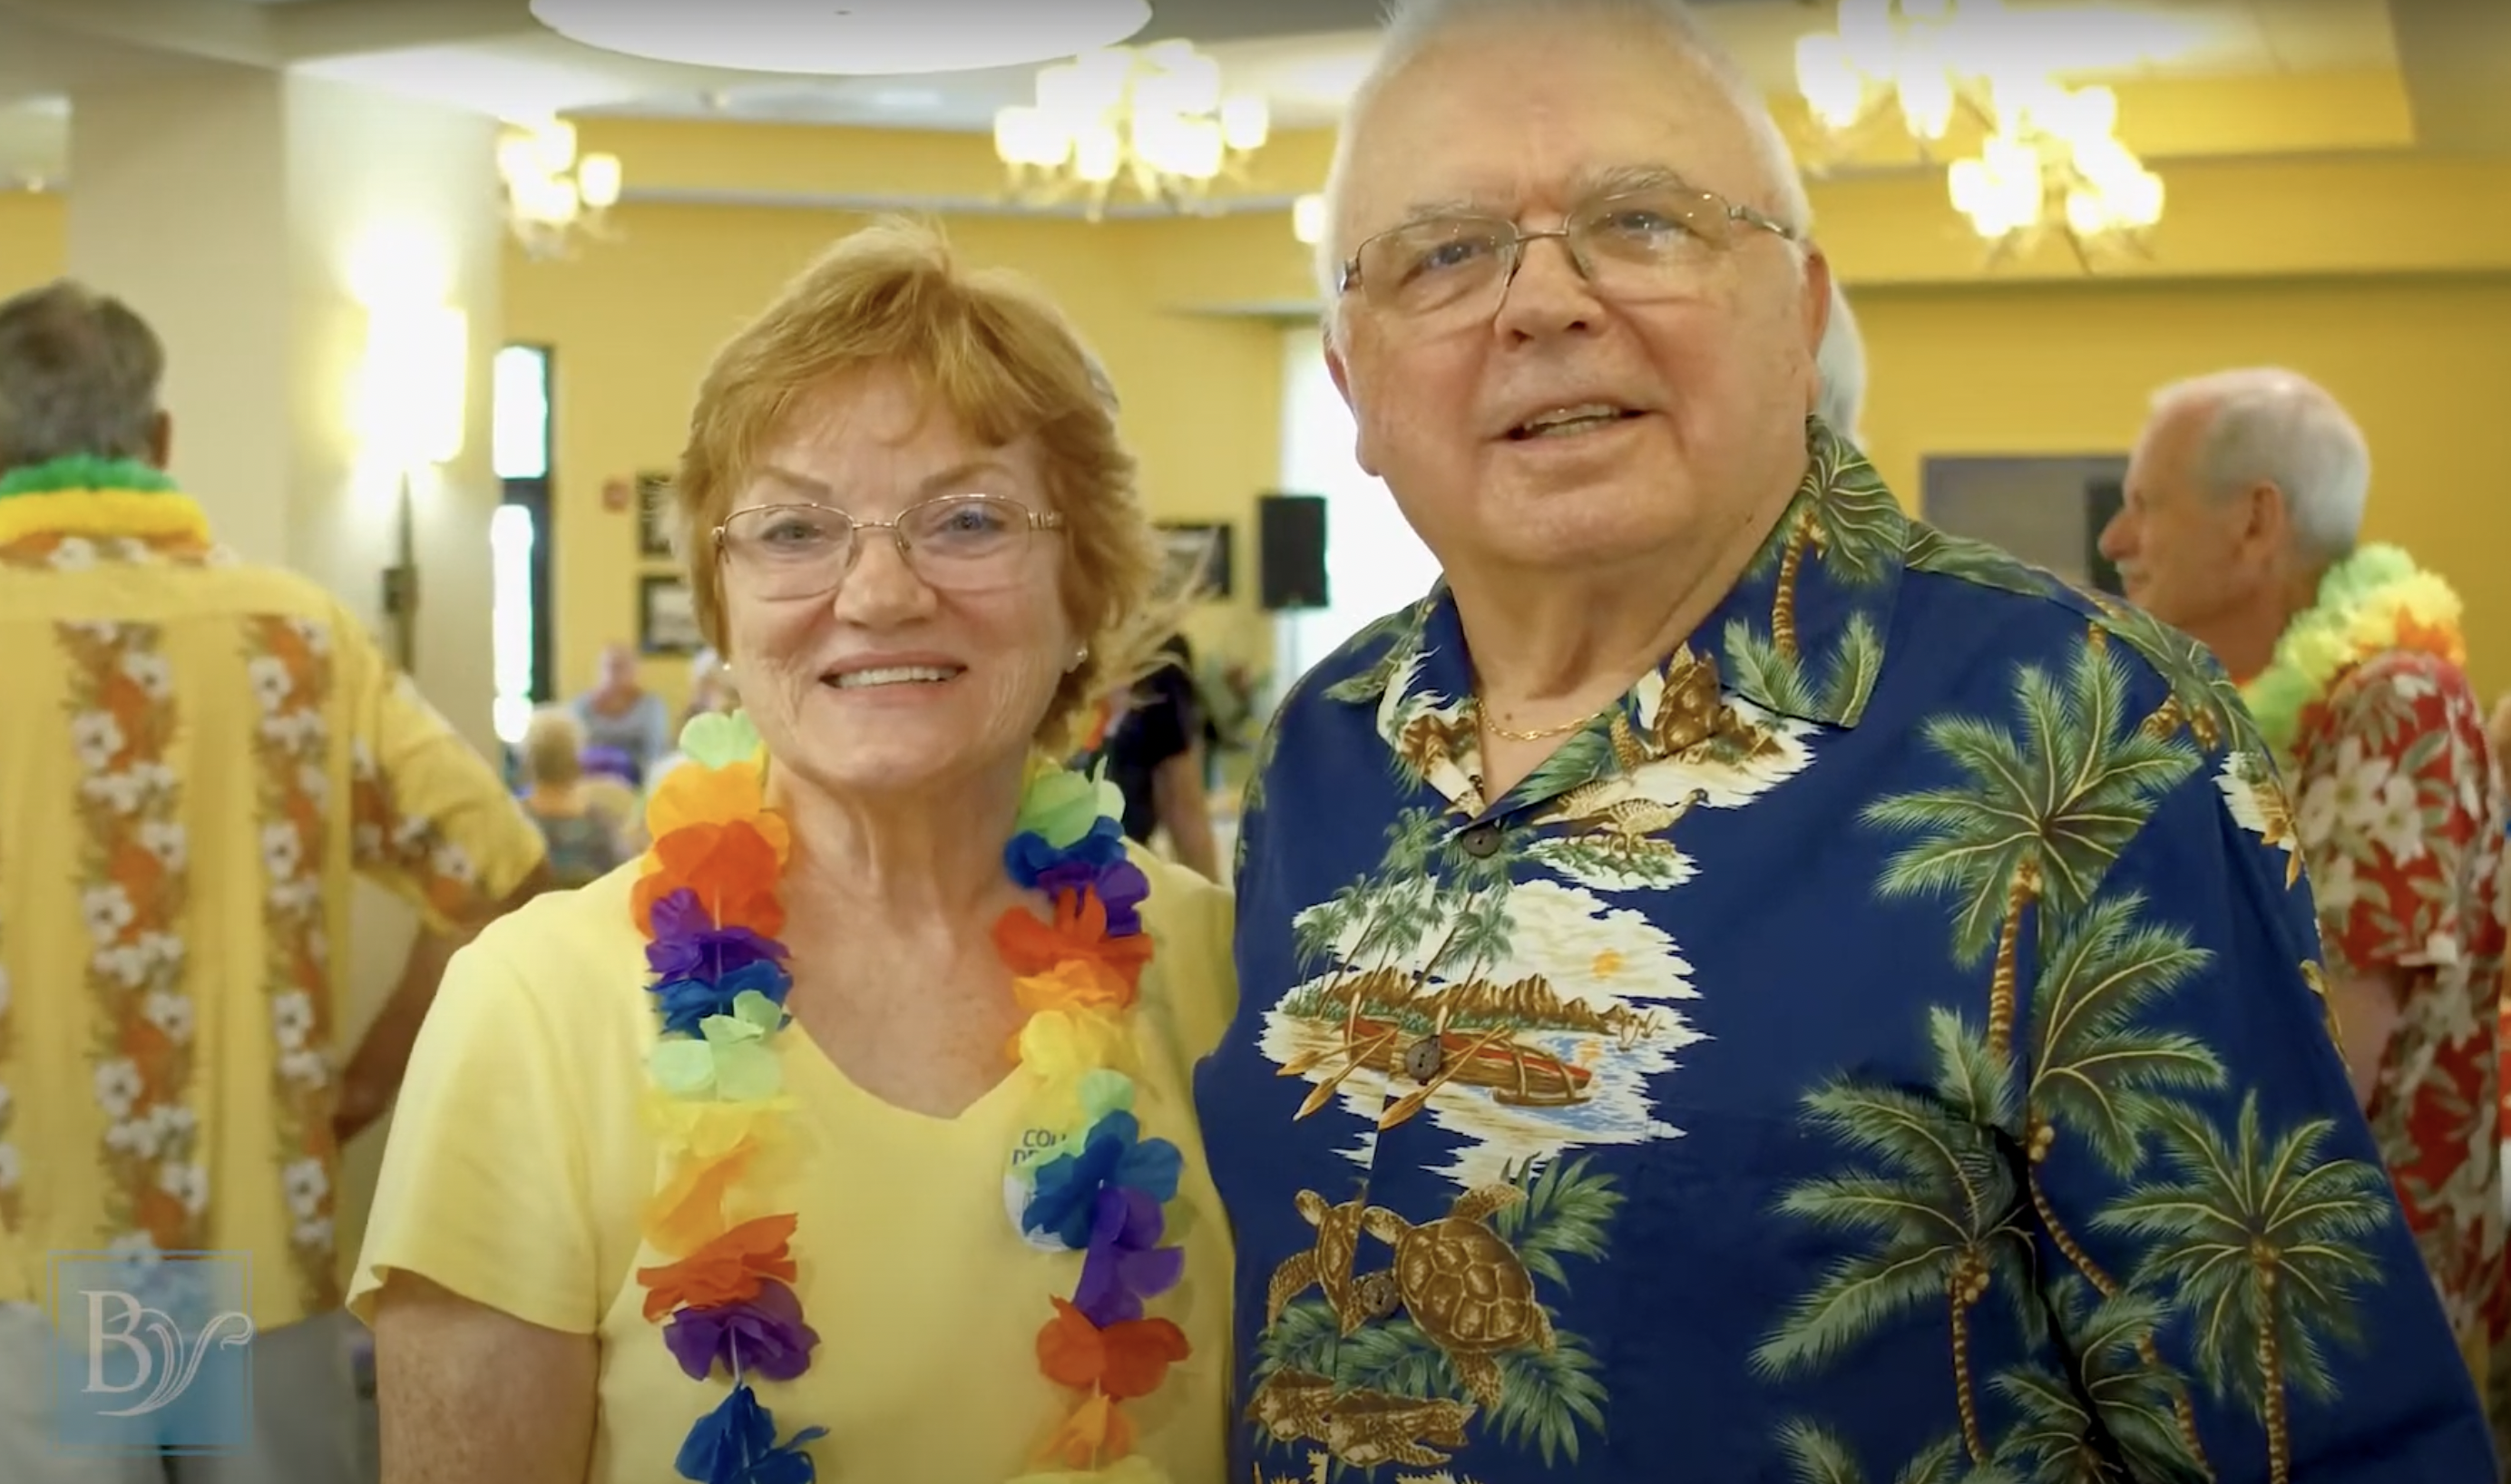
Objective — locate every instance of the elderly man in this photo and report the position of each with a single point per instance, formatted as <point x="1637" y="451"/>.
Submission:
<point x="1735" y="984"/>
<point x="196" y="757"/>
<point x="2244" y="501"/>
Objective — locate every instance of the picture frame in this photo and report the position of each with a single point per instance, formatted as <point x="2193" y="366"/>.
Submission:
<point x="666" y="616"/>
<point x="1200" y="554"/>
<point x="655" y="516"/>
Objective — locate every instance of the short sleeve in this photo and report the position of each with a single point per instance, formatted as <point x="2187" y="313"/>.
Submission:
<point x="2223" y="1255"/>
<point x="2393" y="782"/>
<point x="485" y="1182"/>
<point x="431" y="819"/>
<point x="1193" y="920"/>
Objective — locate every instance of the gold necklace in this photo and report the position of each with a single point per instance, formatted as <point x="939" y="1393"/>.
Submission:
<point x="1540" y="734"/>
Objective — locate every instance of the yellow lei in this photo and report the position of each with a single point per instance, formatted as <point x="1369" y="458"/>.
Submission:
<point x="96" y="497"/>
<point x="2373" y="602"/>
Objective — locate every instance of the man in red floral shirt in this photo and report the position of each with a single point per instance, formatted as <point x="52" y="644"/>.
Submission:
<point x="2243" y="504"/>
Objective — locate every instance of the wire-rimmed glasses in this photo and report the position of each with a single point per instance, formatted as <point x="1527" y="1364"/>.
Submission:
<point x="952" y="543"/>
<point x="1633" y="246"/>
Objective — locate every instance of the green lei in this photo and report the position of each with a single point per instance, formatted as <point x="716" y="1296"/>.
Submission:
<point x="2375" y="600"/>
<point x="81" y="472"/>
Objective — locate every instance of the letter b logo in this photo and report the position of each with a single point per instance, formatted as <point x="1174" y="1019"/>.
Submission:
<point x="154" y="1350"/>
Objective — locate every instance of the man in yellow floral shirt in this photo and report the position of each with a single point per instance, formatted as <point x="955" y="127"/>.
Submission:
<point x="196" y="756"/>
<point x="2243" y="503"/>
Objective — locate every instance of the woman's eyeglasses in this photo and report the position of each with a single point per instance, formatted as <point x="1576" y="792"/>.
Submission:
<point x="952" y="543"/>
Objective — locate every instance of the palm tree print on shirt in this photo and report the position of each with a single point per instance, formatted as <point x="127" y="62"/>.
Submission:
<point x="1846" y="518"/>
<point x="2202" y="698"/>
<point x="2038" y="816"/>
<point x="1845" y="680"/>
<point x="1944" y="1213"/>
<point x="1816" y="1457"/>
<point x="2099" y="1068"/>
<point x="2261" y="1240"/>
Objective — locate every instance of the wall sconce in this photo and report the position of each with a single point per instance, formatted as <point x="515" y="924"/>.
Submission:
<point x="416" y="387"/>
<point x="413" y="401"/>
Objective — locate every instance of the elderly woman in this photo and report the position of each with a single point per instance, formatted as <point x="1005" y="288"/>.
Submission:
<point x="849" y="1130"/>
<point x="1740" y="985"/>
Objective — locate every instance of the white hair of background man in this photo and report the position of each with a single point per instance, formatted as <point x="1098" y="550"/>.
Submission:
<point x="2265" y="425"/>
<point x="1841" y="362"/>
<point x="1414" y="25"/>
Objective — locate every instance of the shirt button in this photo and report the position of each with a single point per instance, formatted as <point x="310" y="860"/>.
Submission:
<point x="1421" y="1059"/>
<point x="1481" y="842"/>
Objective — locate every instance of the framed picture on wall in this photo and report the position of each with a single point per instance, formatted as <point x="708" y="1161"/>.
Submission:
<point x="1199" y="555"/>
<point x="666" y="616"/>
<point x="654" y="515"/>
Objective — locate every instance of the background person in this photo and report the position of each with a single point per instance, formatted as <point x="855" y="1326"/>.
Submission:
<point x="197" y="757"/>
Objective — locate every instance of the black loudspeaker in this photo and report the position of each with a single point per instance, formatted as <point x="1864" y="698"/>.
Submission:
<point x="1291" y="552"/>
<point x="2102" y="501"/>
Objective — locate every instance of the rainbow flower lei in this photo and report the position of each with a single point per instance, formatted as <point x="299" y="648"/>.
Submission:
<point x="708" y="905"/>
<point x="2376" y="600"/>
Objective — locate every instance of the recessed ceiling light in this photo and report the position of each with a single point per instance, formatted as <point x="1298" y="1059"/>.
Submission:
<point x="857" y="38"/>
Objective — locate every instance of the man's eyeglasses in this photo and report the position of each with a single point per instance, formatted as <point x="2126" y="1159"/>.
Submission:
<point x="953" y="543"/>
<point x="1633" y="246"/>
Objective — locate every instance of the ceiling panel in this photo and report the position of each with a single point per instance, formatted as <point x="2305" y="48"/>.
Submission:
<point x="1305" y="55"/>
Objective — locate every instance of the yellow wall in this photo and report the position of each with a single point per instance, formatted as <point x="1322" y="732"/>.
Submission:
<point x="2423" y="363"/>
<point x="2384" y="273"/>
<point x="633" y="323"/>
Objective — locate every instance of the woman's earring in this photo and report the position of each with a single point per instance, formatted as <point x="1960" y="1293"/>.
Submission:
<point x="1080" y="657"/>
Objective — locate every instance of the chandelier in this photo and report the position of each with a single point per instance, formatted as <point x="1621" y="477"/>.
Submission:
<point x="1154" y="118"/>
<point x="2049" y="160"/>
<point x="552" y="194"/>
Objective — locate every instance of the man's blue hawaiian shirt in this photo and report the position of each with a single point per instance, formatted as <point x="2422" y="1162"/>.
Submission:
<point x="1889" y="1047"/>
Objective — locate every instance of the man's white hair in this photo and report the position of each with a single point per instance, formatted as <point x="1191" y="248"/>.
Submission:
<point x="1841" y="362"/>
<point x="2265" y="425"/>
<point x="1412" y="26"/>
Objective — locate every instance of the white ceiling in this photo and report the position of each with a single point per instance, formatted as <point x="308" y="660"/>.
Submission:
<point x="1304" y="55"/>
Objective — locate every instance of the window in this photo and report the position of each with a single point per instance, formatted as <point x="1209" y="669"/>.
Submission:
<point x="519" y="539"/>
<point x="1373" y="562"/>
<point x="523" y="412"/>
<point x="510" y="618"/>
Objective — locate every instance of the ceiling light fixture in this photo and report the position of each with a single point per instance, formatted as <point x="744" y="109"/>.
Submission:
<point x="551" y="194"/>
<point x="859" y="38"/>
<point x="2049" y="159"/>
<point x="1156" y="117"/>
<point x="2052" y="165"/>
